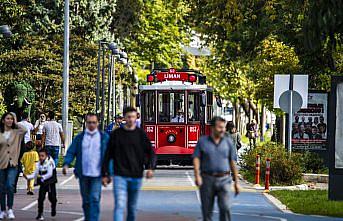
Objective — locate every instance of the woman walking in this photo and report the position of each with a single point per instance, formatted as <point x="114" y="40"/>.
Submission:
<point x="39" y="130"/>
<point x="11" y="136"/>
<point x="231" y="131"/>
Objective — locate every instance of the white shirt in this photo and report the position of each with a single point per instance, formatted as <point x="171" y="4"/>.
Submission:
<point x="91" y="154"/>
<point x="52" y="131"/>
<point x="46" y="168"/>
<point x="40" y="126"/>
<point x="29" y="128"/>
<point x="7" y="134"/>
<point x="178" y="119"/>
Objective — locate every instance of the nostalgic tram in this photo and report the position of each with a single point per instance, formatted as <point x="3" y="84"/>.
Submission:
<point x="176" y="107"/>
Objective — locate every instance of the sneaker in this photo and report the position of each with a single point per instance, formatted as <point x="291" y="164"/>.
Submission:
<point x="40" y="217"/>
<point x="30" y="193"/>
<point x="2" y="215"/>
<point x="10" y="214"/>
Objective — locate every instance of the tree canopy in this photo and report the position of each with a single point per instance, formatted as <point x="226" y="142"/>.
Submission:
<point x="252" y="40"/>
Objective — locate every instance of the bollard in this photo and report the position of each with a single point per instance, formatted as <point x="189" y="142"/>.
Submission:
<point x="258" y="171"/>
<point x="266" y="188"/>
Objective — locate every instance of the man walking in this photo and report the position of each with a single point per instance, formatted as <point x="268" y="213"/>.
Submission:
<point x="131" y="151"/>
<point x="214" y="161"/>
<point x="89" y="148"/>
<point x="25" y="122"/>
<point x="53" y="137"/>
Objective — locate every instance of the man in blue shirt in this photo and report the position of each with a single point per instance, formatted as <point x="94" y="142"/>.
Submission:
<point x="214" y="161"/>
<point x="89" y="148"/>
<point x="117" y="123"/>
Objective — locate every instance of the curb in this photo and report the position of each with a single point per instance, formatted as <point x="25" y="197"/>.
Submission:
<point x="296" y="187"/>
<point x="277" y="203"/>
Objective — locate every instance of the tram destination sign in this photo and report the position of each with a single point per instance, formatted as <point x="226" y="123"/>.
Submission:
<point x="172" y="76"/>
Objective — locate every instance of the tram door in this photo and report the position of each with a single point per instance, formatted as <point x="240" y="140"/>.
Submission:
<point x="200" y="109"/>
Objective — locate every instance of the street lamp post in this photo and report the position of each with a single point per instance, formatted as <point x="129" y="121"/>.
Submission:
<point x="111" y="84"/>
<point x="116" y="56"/>
<point x="122" y="59"/>
<point x="65" y="100"/>
<point x="97" y="105"/>
<point x="102" y="115"/>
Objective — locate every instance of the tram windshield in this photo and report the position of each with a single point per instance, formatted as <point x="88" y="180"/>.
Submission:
<point x="171" y="107"/>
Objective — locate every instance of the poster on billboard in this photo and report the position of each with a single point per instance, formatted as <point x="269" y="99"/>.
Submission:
<point x="309" y="128"/>
<point x="339" y="128"/>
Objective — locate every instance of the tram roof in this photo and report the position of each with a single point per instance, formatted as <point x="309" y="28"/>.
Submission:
<point x="173" y="85"/>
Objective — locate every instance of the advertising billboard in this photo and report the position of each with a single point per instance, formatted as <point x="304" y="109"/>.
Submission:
<point x="309" y="128"/>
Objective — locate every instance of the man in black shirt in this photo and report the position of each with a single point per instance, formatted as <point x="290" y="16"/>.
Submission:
<point x="131" y="151"/>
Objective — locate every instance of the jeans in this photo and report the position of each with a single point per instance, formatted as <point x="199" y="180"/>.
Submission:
<point x="215" y="187"/>
<point x="126" y="190"/>
<point x="7" y="182"/>
<point x="90" y="188"/>
<point x="51" y="190"/>
<point x="53" y="151"/>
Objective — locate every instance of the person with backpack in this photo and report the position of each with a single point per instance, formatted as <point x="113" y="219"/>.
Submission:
<point x="231" y="131"/>
<point x="46" y="176"/>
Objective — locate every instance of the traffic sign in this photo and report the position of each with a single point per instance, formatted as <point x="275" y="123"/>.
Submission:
<point x="282" y="84"/>
<point x="284" y="101"/>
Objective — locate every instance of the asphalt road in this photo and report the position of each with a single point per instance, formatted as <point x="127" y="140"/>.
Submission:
<point x="170" y="196"/>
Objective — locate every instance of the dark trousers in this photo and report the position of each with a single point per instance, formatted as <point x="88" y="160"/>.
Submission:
<point x="51" y="190"/>
<point x="211" y="188"/>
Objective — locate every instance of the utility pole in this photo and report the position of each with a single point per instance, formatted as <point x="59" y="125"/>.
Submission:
<point x="97" y="103"/>
<point x="290" y="114"/>
<point x="65" y="100"/>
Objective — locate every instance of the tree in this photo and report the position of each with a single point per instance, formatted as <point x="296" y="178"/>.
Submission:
<point x="151" y="31"/>
<point x="90" y="19"/>
<point x="40" y="64"/>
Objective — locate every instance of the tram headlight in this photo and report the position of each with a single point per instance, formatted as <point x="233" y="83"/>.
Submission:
<point x="171" y="138"/>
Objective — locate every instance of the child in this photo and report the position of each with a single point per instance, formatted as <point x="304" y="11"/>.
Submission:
<point x="46" y="178"/>
<point x="29" y="161"/>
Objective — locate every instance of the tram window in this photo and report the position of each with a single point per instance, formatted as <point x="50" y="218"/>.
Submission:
<point x="209" y="105"/>
<point x="193" y="106"/>
<point x="149" y="106"/>
<point x="171" y="107"/>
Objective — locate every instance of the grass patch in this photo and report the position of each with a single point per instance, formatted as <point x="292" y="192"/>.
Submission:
<point x="266" y="138"/>
<point x="311" y="202"/>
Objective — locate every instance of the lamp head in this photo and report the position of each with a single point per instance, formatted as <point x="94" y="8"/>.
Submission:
<point x="123" y="54"/>
<point x="123" y="61"/>
<point x="112" y="46"/>
<point x="5" y="30"/>
<point x="116" y="51"/>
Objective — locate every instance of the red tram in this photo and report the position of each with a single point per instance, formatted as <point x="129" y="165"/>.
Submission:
<point x="176" y="107"/>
